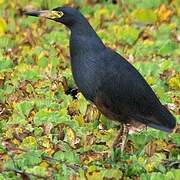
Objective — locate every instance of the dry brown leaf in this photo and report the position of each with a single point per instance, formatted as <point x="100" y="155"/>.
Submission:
<point x="91" y="156"/>
<point x="90" y="139"/>
<point x="155" y="146"/>
<point x="47" y="128"/>
<point x="91" y="114"/>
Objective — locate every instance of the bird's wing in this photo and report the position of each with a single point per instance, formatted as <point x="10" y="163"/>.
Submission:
<point x="123" y="93"/>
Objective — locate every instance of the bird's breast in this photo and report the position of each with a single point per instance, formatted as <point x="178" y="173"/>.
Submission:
<point x="85" y="76"/>
<point x="85" y="62"/>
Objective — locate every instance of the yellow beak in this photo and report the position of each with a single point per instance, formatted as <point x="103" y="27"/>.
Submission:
<point x="45" y="13"/>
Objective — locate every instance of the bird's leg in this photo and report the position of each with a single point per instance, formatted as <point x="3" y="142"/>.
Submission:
<point x="124" y="137"/>
<point x="120" y="140"/>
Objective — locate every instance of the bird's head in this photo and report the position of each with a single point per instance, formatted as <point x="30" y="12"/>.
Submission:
<point x="65" y="15"/>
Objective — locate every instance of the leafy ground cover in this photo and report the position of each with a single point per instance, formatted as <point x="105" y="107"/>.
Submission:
<point x="47" y="134"/>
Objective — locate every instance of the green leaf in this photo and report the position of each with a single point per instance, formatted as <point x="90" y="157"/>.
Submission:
<point x="5" y="64"/>
<point x="44" y="116"/>
<point x="43" y="62"/>
<point x="37" y="170"/>
<point x="176" y="138"/>
<point x="157" y="176"/>
<point x="111" y="174"/>
<point x="31" y="75"/>
<point x="128" y="35"/>
<point x="31" y="158"/>
<point x="166" y="48"/>
<point x="69" y="156"/>
<point x="24" y="107"/>
<point x="166" y="64"/>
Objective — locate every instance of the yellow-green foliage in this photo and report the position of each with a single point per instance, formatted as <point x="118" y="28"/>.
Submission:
<point x="45" y="133"/>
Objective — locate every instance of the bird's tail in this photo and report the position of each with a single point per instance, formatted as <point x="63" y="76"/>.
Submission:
<point x="166" y="121"/>
<point x="162" y="120"/>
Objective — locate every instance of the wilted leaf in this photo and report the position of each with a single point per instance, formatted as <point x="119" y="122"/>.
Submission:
<point x="29" y="142"/>
<point x="164" y="13"/>
<point x="48" y="127"/>
<point x="174" y="82"/>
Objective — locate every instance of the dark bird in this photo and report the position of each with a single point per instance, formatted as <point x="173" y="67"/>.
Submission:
<point x="106" y="78"/>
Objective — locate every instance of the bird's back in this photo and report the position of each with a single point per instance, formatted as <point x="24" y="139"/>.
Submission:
<point x="126" y="95"/>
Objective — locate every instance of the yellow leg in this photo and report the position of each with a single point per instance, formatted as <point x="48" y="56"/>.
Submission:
<point x="120" y="140"/>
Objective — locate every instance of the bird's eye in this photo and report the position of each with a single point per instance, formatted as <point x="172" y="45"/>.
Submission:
<point x="60" y="13"/>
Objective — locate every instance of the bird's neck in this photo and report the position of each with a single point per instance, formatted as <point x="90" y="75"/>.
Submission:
<point x="83" y="28"/>
<point x="84" y="41"/>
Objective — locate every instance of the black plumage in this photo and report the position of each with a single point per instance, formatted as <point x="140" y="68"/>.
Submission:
<point x="107" y="79"/>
